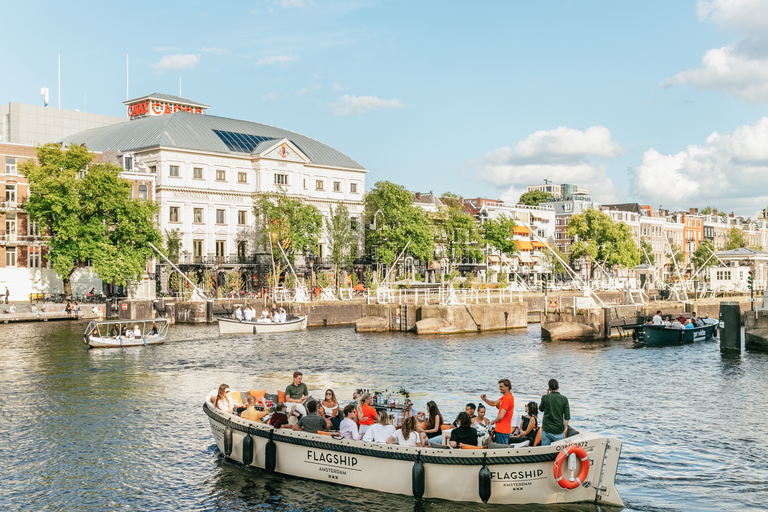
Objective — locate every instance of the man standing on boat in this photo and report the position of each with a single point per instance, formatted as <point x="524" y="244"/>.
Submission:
<point x="557" y="413"/>
<point x="506" y="405"/>
<point x="296" y="394"/>
<point x="657" y="318"/>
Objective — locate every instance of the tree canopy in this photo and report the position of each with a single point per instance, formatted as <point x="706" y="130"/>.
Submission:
<point x="498" y="234"/>
<point x="90" y="215"/>
<point x="703" y="257"/>
<point x="291" y="223"/>
<point x="341" y="238"/>
<point x="457" y="231"/>
<point x="534" y="197"/>
<point x="646" y="253"/>
<point x="389" y="208"/>
<point x="735" y="239"/>
<point x="605" y="240"/>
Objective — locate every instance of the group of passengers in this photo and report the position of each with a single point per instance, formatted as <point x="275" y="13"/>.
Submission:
<point x="248" y="314"/>
<point x="359" y="420"/>
<point x="127" y="333"/>
<point x="678" y="323"/>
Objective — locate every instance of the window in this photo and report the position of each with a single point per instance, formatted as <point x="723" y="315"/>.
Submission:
<point x="221" y="175"/>
<point x="353" y="223"/>
<point x="241" y="246"/>
<point x="282" y="179"/>
<point x="220" y="249"/>
<point x="174" y="214"/>
<point x="174" y="171"/>
<point x="197" y="250"/>
<point x="33" y="261"/>
<point x="242" y="217"/>
<point x="128" y="163"/>
<point x="305" y="183"/>
<point x="33" y="229"/>
<point x="353" y="188"/>
<point x="723" y="275"/>
<point x="197" y="215"/>
<point x="337" y="186"/>
<point x="10" y="257"/>
<point x="10" y="165"/>
<point x="10" y="193"/>
<point x="318" y="184"/>
<point x="143" y="192"/>
<point x="10" y="223"/>
<point x="197" y="173"/>
<point x="242" y="177"/>
<point x="219" y="216"/>
<point x="153" y="169"/>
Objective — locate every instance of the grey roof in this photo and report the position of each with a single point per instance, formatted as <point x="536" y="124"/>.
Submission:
<point x="167" y="97"/>
<point x="741" y="251"/>
<point x="196" y="131"/>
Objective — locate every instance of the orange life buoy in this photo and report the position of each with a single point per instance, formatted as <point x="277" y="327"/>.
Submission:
<point x="581" y="453"/>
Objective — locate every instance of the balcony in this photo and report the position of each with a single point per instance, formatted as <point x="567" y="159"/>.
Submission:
<point x="254" y="259"/>
<point x="12" y="206"/>
<point x="13" y="239"/>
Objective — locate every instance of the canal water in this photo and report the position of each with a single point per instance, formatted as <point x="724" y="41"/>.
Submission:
<point x="123" y="429"/>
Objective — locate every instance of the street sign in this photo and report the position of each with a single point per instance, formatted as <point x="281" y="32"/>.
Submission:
<point x="125" y="306"/>
<point x="552" y="303"/>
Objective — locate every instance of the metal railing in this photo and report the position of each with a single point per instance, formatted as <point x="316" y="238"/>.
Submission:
<point x="442" y="295"/>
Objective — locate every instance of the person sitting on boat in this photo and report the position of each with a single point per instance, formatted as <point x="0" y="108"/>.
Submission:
<point x="667" y="323"/>
<point x="330" y="407"/>
<point x="366" y="414"/>
<point x="506" y="406"/>
<point x="697" y="321"/>
<point x="690" y="324"/>
<point x="279" y="418"/>
<point x="676" y="324"/>
<point x="470" y="410"/>
<point x="113" y="332"/>
<point x="295" y="395"/>
<point x="311" y="422"/>
<point x="123" y="330"/>
<point x="274" y="312"/>
<point x="657" y="318"/>
<point x="464" y="433"/>
<point x="434" y="423"/>
<point x="282" y="315"/>
<point x="128" y="333"/>
<point x="224" y="400"/>
<point x="407" y="435"/>
<point x="12" y="309"/>
<point x="247" y="314"/>
<point x="381" y="430"/>
<point x="239" y="314"/>
<point x="528" y="425"/>
<point x="264" y="314"/>
<point x="153" y="330"/>
<point x="136" y="331"/>
<point x="348" y="427"/>
<point x="481" y="424"/>
<point x="251" y="413"/>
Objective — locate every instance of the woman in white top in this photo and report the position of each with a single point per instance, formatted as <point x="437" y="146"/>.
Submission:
<point x="282" y="315"/>
<point x="331" y="408"/>
<point x="348" y="427"/>
<point x="381" y="430"/>
<point x="136" y="331"/>
<point x="406" y="436"/>
<point x="224" y="400"/>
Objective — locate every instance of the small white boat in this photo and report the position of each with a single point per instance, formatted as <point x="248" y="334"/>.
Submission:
<point x="581" y="468"/>
<point x="234" y="326"/>
<point x="98" y="334"/>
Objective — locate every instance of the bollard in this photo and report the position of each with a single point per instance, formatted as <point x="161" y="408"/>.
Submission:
<point x="730" y="331"/>
<point x="209" y="311"/>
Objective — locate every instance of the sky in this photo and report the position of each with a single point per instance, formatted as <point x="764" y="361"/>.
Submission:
<point x="658" y="102"/>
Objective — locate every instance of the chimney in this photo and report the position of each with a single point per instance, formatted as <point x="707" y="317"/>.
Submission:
<point x="731" y="215"/>
<point x="693" y="211"/>
<point x="714" y="212"/>
<point x="417" y="196"/>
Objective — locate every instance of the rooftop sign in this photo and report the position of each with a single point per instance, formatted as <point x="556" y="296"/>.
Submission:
<point x="161" y="104"/>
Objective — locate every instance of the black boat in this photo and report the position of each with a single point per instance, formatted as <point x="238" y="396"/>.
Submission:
<point x="648" y="334"/>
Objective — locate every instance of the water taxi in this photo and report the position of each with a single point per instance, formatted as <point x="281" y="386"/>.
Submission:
<point x="234" y="326"/>
<point x="99" y="334"/>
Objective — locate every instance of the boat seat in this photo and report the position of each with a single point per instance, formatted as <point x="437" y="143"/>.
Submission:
<point x="519" y="445"/>
<point x="439" y="446"/>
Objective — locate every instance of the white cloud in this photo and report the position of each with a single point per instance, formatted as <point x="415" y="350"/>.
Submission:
<point x="187" y="61"/>
<point x="740" y="68"/>
<point x="337" y="87"/>
<point x="728" y="171"/>
<point x="277" y="59"/>
<point x="356" y="105"/>
<point x="562" y="155"/>
<point x="215" y="50"/>
<point x="269" y="97"/>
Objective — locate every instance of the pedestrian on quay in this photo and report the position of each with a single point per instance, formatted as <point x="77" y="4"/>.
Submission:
<point x="557" y="413"/>
<point x="506" y="406"/>
<point x="7" y="295"/>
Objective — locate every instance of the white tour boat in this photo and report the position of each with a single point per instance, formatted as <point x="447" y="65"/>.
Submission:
<point x="234" y="326"/>
<point x="98" y="334"/>
<point x="581" y="468"/>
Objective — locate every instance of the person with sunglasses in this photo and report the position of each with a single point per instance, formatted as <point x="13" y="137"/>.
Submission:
<point x="330" y="407"/>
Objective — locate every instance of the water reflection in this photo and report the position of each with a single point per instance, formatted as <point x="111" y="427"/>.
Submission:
<point x="97" y="429"/>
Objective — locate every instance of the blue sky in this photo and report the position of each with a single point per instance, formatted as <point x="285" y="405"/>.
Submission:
<point x="658" y="102"/>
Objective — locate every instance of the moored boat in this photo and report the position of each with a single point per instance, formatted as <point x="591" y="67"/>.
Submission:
<point x="234" y="326"/>
<point x="648" y="334"/>
<point x="98" y="333"/>
<point x="543" y="474"/>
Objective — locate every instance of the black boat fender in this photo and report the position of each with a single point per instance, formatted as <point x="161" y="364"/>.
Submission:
<point x="270" y="453"/>
<point x="227" y="440"/>
<point x="247" y="450"/>
<point x="484" y="482"/>
<point x="417" y="477"/>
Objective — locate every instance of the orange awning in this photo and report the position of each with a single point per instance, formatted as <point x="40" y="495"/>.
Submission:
<point x="524" y="245"/>
<point x="521" y="230"/>
<point x="537" y="244"/>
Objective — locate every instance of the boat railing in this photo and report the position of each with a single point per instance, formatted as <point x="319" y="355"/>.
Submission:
<point x="96" y="326"/>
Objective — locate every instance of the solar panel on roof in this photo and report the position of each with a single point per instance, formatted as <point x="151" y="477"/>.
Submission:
<point x="240" y="142"/>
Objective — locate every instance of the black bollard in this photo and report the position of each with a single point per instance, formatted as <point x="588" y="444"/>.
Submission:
<point x="730" y="332"/>
<point x="209" y="311"/>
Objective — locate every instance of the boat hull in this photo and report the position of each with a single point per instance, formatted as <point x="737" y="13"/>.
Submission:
<point x="232" y="326"/>
<point x="123" y="342"/>
<point x="517" y="476"/>
<point x="96" y="334"/>
<point x="660" y="335"/>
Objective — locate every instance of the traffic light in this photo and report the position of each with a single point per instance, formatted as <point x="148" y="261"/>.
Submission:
<point x="750" y="279"/>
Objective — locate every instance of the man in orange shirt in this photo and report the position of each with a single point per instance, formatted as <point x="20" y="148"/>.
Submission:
<point x="506" y="404"/>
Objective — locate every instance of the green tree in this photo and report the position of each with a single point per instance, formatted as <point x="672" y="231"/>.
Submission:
<point x="735" y="239"/>
<point x="608" y="242"/>
<point x="703" y="258"/>
<point x="457" y="231"/>
<point x="389" y="208"/>
<point x="677" y="251"/>
<point x="234" y="281"/>
<point x="551" y="262"/>
<point x="89" y="214"/>
<point x="646" y="253"/>
<point x="341" y="239"/>
<point x="534" y="197"/>
<point x="173" y="244"/>
<point x="498" y="234"/>
<point x="292" y="224"/>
